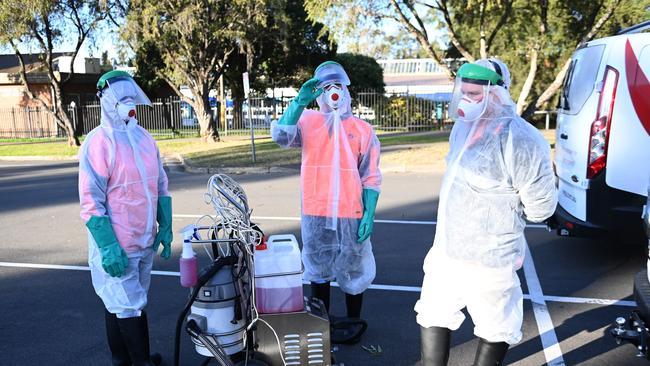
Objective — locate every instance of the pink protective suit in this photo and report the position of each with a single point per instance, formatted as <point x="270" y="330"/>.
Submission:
<point x="121" y="176"/>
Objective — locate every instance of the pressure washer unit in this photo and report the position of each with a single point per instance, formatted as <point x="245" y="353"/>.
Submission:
<point x="246" y="305"/>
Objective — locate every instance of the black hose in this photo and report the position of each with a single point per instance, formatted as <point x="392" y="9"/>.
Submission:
<point x="202" y="280"/>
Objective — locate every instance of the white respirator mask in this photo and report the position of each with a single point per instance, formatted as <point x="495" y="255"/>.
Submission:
<point x="333" y="95"/>
<point x="470" y="110"/>
<point x="125" y="110"/>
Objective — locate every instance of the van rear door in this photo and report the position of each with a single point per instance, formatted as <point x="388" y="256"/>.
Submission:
<point x="576" y="112"/>
<point x="628" y="153"/>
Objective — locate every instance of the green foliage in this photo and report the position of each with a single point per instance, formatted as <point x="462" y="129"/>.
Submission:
<point x="106" y="64"/>
<point x="284" y="53"/>
<point x="148" y="63"/>
<point x="14" y="21"/>
<point x="567" y="22"/>
<point x="41" y="22"/>
<point x="419" y="111"/>
<point x="360" y="26"/>
<point x="364" y="73"/>
<point x="297" y="49"/>
<point x="196" y="42"/>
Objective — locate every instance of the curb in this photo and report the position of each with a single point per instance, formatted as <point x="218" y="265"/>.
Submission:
<point x="187" y="165"/>
<point x="39" y="158"/>
<point x="178" y="159"/>
<point x="239" y="170"/>
<point x="403" y="168"/>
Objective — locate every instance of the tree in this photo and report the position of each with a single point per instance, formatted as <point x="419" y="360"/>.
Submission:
<point x="607" y="19"/>
<point x="301" y="46"/>
<point x="364" y="73"/>
<point x="195" y="40"/>
<point x="284" y="52"/>
<point x="45" y="24"/>
<point x="524" y="34"/>
<point x="149" y="66"/>
<point x="105" y="64"/>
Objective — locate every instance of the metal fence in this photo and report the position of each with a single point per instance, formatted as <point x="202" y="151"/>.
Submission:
<point x="168" y="116"/>
<point x="171" y="117"/>
<point x="27" y="123"/>
<point x="400" y="111"/>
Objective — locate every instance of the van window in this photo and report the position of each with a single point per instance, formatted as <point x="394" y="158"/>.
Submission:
<point x="580" y="79"/>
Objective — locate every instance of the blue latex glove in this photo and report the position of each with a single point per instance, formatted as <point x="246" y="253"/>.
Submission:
<point x="164" y="218"/>
<point x="307" y="94"/>
<point x="114" y="259"/>
<point x="370" y="198"/>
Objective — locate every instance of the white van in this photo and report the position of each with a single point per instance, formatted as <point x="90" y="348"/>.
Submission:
<point x="602" y="148"/>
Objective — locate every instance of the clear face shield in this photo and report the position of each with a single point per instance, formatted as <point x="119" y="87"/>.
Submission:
<point x="470" y="99"/>
<point x="333" y="79"/>
<point x="126" y="94"/>
<point x="331" y="73"/>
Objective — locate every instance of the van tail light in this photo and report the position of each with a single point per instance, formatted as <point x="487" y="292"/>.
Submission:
<point x="599" y="136"/>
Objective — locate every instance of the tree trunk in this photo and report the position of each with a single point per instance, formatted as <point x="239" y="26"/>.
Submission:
<point x="62" y="120"/>
<point x="73" y="140"/>
<point x="528" y="84"/>
<point x="237" y="90"/>
<point x="549" y="92"/>
<point x="202" y="109"/>
<point x="482" y="42"/>
<point x="559" y="78"/>
<point x="61" y="117"/>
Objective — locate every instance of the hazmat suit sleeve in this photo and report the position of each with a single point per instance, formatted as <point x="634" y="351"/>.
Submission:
<point x="162" y="178"/>
<point x="369" y="163"/>
<point x="94" y="170"/>
<point x="531" y="172"/>
<point x="286" y="135"/>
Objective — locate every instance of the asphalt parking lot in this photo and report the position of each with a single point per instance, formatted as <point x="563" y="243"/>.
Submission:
<point x="50" y="314"/>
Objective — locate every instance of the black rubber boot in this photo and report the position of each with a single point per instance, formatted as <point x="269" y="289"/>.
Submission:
<point x="321" y="291"/>
<point x="350" y="329"/>
<point x="435" y="342"/>
<point x="119" y="352"/>
<point x="135" y="333"/>
<point x="353" y="305"/>
<point x="490" y="353"/>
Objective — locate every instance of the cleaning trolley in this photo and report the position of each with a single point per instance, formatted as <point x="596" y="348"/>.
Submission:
<point x="246" y="305"/>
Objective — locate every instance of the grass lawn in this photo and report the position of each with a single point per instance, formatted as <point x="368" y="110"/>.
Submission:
<point x="421" y="149"/>
<point x="53" y="149"/>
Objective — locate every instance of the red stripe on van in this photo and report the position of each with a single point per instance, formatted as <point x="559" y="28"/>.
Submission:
<point x="639" y="87"/>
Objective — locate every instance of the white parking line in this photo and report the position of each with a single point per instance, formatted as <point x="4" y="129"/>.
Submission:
<point x="551" y="346"/>
<point x="562" y="299"/>
<point x="291" y="218"/>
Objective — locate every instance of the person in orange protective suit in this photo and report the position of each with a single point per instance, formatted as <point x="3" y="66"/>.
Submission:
<point x="340" y="185"/>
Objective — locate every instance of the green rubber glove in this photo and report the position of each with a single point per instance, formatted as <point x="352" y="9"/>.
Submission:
<point x="370" y="197"/>
<point x="164" y="218"/>
<point x="114" y="259"/>
<point x="307" y="94"/>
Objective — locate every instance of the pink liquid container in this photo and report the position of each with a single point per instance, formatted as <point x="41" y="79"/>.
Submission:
<point x="189" y="271"/>
<point x="278" y="276"/>
<point x="188" y="263"/>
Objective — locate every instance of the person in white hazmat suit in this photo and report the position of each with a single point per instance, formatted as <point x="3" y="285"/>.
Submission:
<point x="123" y="192"/>
<point x="499" y="175"/>
<point x="340" y="184"/>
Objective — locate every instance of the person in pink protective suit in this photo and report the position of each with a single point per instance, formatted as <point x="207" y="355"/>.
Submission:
<point x="123" y="192"/>
<point x="340" y="182"/>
